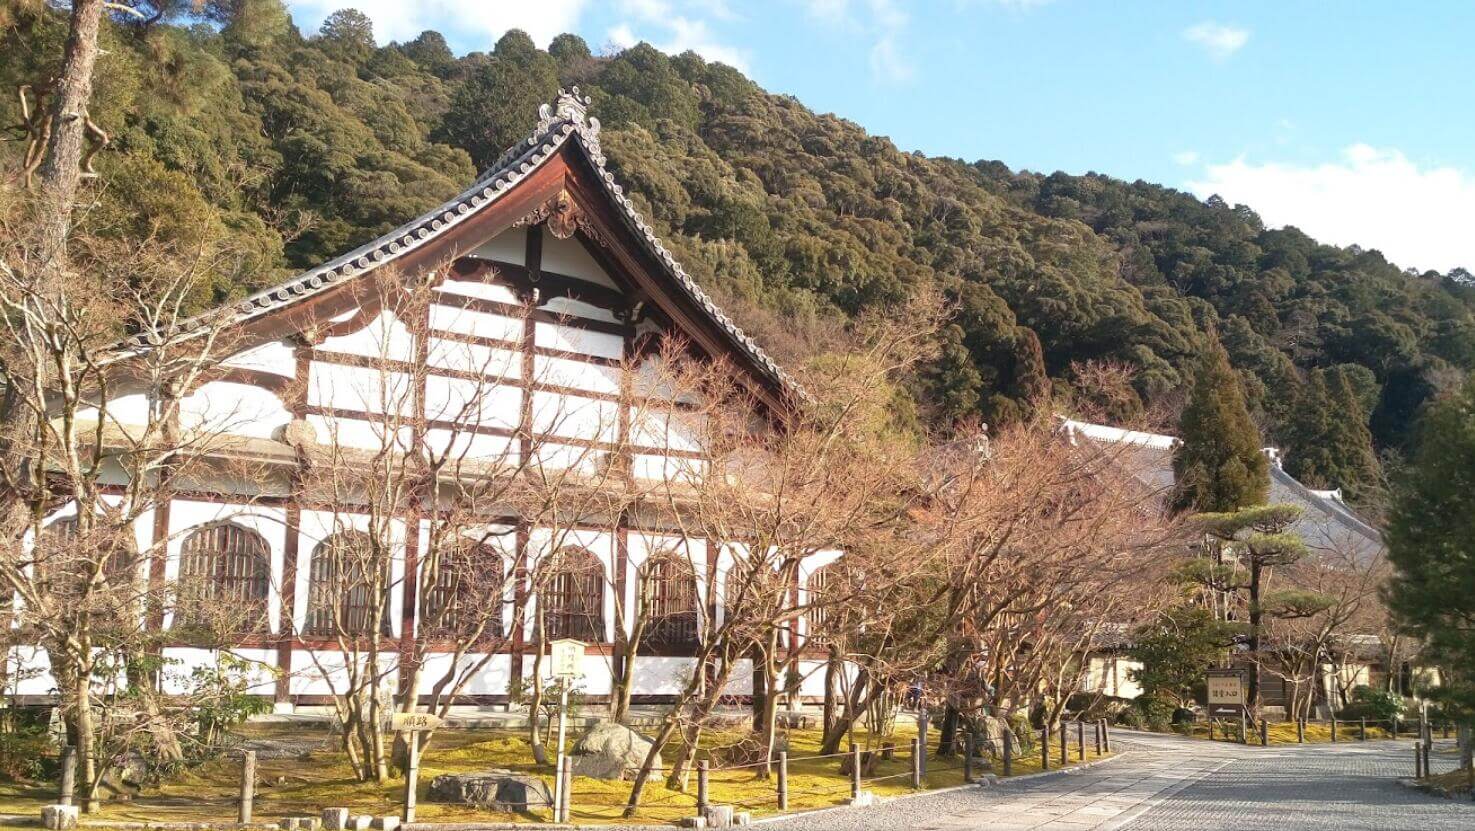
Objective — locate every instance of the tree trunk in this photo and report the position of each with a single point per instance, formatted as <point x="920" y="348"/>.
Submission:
<point x="60" y="173"/>
<point x="833" y="672"/>
<point x="1256" y="618"/>
<point x="948" y="732"/>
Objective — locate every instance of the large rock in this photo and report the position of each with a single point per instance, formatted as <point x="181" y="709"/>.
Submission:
<point x="610" y="751"/>
<point x="990" y="740"/>
<point x="498" y="790"/>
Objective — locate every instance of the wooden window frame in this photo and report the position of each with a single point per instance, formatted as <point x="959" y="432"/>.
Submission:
<point x="572" y="599"/>
<point x="232" y="564"/>
<point x="327" y="600"/>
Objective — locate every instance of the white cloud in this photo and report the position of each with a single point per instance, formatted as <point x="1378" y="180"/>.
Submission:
<point x="1375" y="198"/>
<point x="465" y="21"/>
<point x="1218" y="39"/>
<point x="887" y="64"/>
<point x="622" y="37"/>
<point x="681" y="33"/>
<point x="1185" y="157"/>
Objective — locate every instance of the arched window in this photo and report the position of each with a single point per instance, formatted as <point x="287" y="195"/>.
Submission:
<point x="573" y="600"/>
<point x="348" y="587"/>
<point x="668" y="601"/>
<point x="466" y="598"/>
<point x="64" y="561"/>
<point x="224" y="569"/>
<point x="753" y="599"/>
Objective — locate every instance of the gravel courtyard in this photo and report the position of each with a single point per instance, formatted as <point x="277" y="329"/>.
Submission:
<point x="1167" y="783"/>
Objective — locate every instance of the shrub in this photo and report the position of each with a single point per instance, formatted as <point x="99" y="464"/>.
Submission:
<point x="1373" y="705"/>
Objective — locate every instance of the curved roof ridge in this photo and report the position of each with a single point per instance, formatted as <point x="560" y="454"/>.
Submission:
<point x="567" y="117"/>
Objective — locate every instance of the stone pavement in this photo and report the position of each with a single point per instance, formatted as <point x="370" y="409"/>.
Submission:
<point x="1168" y="783"/>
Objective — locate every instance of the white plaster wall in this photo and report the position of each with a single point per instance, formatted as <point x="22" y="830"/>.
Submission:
<point x="567" y="256"/>
<point x="569" y="416"/>
<point x="366" y="389"/>
<point x="460" y="356"/>
<point x="477" y="288"/>
<point x="473" y="403"/>
<point x="465" y="446"/>
<point x="740" y="681"/>
<point x="223" y="407"/>
<point x="565" y="372"/>
<point x="491" y="679"/>
<point x="661" y="675"/>
<point x="324" y="672"/>
<point x="479" y="324"/>
<point x="177" y="676"/>
<point x="667" y="469"/>
<point x="510" y="246"/>
<point x="574" y="307"/>
<point x="582" y="341"/>
<point x="385" y="336"/>
<point x="277" y="357"/>
<point x="360" y="434"/>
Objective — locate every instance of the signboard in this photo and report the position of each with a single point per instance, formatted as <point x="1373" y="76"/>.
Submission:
<point x="413" y="722"/>
<point x="567" y="658"/>
<point x="1227" y="693"/>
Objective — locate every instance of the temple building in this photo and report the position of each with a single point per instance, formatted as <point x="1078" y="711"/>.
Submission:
<point x="551" y="298"/>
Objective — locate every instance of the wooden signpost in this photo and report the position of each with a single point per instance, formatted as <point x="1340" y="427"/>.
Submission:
<point x="566" y="661"/>
<point x="1227" y="693"/>
<point x="414" y="724"/>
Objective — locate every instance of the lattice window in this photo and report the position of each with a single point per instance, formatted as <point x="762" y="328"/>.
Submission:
<point x="345" y="576"/>
<point x="668" y="601"/>
<point x="817" y="615"/>
<point x="467" y="595"/>
<point x="225" y="569"/>
<point x="64" y="562"/>
<point x="573" y="599"/>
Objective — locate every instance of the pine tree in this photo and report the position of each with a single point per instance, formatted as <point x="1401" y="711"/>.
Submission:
<point x="1431" y="543"/>
<point x="1307" y="456"/>
<point x="1330" y="443"/>
<point x="1218" y="465"/>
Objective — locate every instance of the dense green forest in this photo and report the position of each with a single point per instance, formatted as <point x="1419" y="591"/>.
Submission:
<point x="293" y="147"/>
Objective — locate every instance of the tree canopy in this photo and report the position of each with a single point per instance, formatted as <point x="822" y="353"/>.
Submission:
<point x="298" y="147"/>
<point x="1218" y="466"/>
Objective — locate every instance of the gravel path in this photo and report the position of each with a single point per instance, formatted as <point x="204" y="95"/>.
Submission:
<point x="1167" y="783"/>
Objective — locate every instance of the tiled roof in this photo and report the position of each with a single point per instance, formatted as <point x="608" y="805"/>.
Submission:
<point x="1326" y="521"/>
<point x="566" y="120"/>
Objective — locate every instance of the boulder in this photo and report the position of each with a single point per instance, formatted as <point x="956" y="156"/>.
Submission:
<point x="497" y="790"/>
<point x="990" y="739"/>
<point x="59" y="817"/>
<point x="610" y="751"/>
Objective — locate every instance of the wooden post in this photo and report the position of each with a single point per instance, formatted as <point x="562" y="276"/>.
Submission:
<point x="1100" y="725"/>
<point x="1244" y="727"/>
<point x="248" y="787"/>
<point x="412" y="777"/>
<point x="1334" y="728"/>
<point x="855" y="771"/>
<point x="1213" y="723"/>
<point x="1064" y="748"/>
<point x="1106" y="735"/>
<point x="923" y="722"/>
<point x="1427" y="771"/>
<point x="1395" y="726"/>
<point x="1080" y="740"/>
<point x="1300" y="731"/>
<point x="1045" y="747"/>
<point x="1418" y="760"/>
<point x="566" y="799"/>
<point x="68" y="775"/>
<point x="1264" y="732"/>
<point x="1362" y="729"/>
<point x="703" y="770"/>
<point x="1008" y="750"/>
<point x="968" y="757"/>
<point x="917" y="762"/>
<point x="783" y="780"/>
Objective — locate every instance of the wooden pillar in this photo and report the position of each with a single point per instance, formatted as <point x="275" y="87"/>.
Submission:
<point x="917" y="762"/>
<point x="968" y="757"/>
<point x="1080" y="740"/>
<point x="1008" y="750"/>
<point x="248" y="787"/>
<point x="703" y="771"/>
<point x="68" y="775"/>
<point x="855" y="772"/>
<point x="783" y="780"/>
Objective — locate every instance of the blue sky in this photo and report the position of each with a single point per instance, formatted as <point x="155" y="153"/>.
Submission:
<point x="1351" y="120"/>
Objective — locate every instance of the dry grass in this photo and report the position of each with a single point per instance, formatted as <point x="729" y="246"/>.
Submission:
<point x="207" y="793"/>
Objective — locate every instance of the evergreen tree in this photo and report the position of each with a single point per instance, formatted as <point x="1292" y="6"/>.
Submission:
<point x="1330" y="443"/>
<point x="1431" y="543"/>
<point x="1218" y="465"/>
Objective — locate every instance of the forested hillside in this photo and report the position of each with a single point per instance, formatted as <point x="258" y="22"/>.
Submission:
<point x="293" y="147"/>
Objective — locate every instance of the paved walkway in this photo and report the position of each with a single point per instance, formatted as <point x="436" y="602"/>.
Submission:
<point x="1168" y="783"/>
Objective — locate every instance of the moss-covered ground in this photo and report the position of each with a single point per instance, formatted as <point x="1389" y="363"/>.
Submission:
<point x="1285" y="732"/>
<point x="207" y="792"/>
